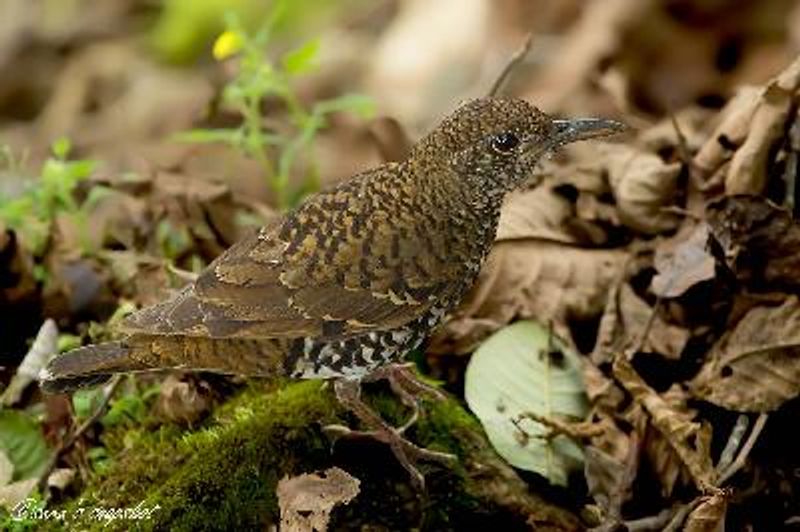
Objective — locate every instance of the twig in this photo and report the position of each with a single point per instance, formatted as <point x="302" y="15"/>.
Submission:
<point x="183" y="275"/>
<point x="647" y="326"/>
<point x="68" y="442"/>
<point x="515" y="60"/>
<point x="741" y="458"/>
<point x="681" y="514"/>
<point x="654" y="522"/>
<point x="734" y="442"/>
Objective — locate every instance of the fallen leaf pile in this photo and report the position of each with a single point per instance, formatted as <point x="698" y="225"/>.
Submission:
<point x="634" y="334"/>
<point x="675" y="270"/>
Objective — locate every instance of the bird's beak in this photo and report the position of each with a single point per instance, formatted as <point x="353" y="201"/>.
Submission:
<point x="575" y="129"/>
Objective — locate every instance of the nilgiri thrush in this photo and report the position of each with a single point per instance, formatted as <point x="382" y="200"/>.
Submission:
<point x="344" y="285"/>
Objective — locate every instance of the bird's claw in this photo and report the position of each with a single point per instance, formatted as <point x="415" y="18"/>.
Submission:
<point x="407" y="453"/>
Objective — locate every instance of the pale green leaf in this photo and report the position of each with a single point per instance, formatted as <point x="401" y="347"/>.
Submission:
<point x="61" y="148"/>
<point x="22" y="442"/>
<point x="302" y="59"/>
<point x="358" y="104"/>
<point x="521" y="369"/>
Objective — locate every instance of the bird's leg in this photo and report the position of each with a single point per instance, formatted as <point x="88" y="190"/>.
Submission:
<point x="349" y="394"/>
<point x="407" y="386"/>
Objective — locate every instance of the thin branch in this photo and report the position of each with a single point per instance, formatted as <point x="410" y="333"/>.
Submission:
<point x="68" y="442"/>
<point x="741" y="458"/>
<point x="513" y="63"/>
<point x="681" y="514"/>
<point x="649" y="325"/>
<point x="734" y="443"/>
<point x="654" y="522"/>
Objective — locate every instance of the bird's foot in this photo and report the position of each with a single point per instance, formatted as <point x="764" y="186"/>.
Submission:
<point x="407" y="453"/>
<point x="404" y="381"/>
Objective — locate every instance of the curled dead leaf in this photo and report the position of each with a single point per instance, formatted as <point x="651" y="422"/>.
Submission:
<point x="734" y="120"/>
<point x="306" y="501"/>
<point x="662" y="458"/>
<point x="531" y="279"/>
<point x="689" y="439"/>
<point x="748" y="171"/>
<point x="755" y="367"/>
<point x="643" y="185"/>
<point x="709" y="515"/>
<point x="537" y="213"/>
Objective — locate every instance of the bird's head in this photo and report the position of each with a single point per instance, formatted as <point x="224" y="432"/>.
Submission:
<point x="496" y="142"/>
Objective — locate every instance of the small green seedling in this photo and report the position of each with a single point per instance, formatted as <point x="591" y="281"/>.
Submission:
<point x="259" y="78"/>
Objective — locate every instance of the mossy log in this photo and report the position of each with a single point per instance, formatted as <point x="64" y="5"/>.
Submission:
<point x="223" y="476"/>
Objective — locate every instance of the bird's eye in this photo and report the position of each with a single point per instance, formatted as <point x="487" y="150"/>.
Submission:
<point x="504" y="142"/>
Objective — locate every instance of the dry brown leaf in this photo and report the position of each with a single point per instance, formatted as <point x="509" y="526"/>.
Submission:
<point x="755" y="367"/>
<point x="760" y="241"/>
<point x="689" y="439"/>
<point x="692" y="122"/>
<point x="16" y="492"/>
<point x="663" y="461"/>
<point x="531" y="279"/>
<point x="748" y="171"/>
<point x="734" y="121"/>
<point x="184" y="400"/>
<point x="603" y="393"/>
<point x="682" y="262"/>
<point x="44" y="347"/>
<point x="537" y="213"/>
<point x="661" y="456"/>
<point x="624" y="321"/>
<point x="306" y="501"/>
<point x="643" y="185"/>
<point x="709" y="516"/>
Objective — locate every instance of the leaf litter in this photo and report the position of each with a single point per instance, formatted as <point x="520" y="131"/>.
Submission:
<point x="667" y="259"/>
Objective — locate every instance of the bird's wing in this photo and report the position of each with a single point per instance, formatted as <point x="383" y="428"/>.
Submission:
<point x="336" y="267"/>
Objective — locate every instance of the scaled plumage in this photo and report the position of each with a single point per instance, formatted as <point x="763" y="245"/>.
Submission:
<point x="354" y="277"/>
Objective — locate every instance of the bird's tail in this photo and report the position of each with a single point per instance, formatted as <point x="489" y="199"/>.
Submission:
<point x="87" y="366"/>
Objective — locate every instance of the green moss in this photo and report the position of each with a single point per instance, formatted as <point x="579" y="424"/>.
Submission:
<point x="223" y="475"/>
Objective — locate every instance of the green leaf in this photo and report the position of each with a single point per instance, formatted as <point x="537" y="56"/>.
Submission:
<point x="127" y="408"/>
<point x="206" y="136"/>
<point x="22" y="442"/>
<point x="99" y="459"/>
<point x="86" y="402"/>
<point x="359" y="104"/>
<point x="303" y="59"/>
<point x="521" y="369"/>
<point x="67" y="342"/>
<point x="61" y="148"/>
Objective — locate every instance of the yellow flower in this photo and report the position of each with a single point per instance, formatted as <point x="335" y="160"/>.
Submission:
<point x="227" y="44"/>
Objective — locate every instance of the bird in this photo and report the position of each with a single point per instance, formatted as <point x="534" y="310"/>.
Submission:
<point x="343" y="286"/>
